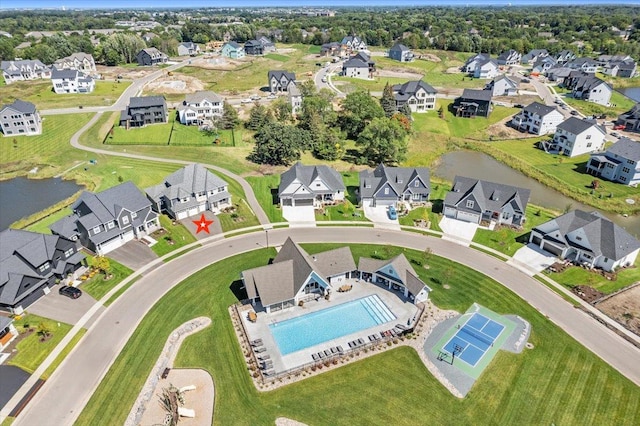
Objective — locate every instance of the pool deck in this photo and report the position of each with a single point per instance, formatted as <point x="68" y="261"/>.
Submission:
<point x="402" y="308"/>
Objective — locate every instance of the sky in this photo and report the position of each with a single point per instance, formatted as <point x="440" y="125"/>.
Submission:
<point x="159" y="4"/>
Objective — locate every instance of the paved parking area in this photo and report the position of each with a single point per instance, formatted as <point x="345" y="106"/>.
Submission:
<point x="531" y="259"/>
<point x="135" y="254"/>
<point x="458" y="231"/>
<point x="12" y="378"/>
<point x="62" y="308"/>
<point x="380" y="216"/>
<point x="214" y="229"/>
<point x="300" y="215"/>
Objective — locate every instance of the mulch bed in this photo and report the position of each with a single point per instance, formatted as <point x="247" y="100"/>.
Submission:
<point x="586" y="293"/>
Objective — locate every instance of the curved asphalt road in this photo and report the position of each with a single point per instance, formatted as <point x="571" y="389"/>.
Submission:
<point x="65" y="394"/>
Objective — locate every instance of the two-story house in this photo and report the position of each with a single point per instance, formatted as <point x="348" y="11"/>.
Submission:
<point x="144" y="110"/>
<point x="543" y="64"/>
<point x="310" y="186"/>
<point x="151" y="56"/>
<point x="354" y="43"/>
<point x="502" y="86"/>
<point x="106" y="220"/>
<point x="232" y="50"/>
<point x="533" y="55"/>
<point x="626" y="69"/>
<point x="190" y="191"/>
<point x="474" y="200"/>
<point x="576" y="136"/>
<point x="564" y="56"/>
<point x="267" y="45"/>
<point x="188" y="48"/>
<point x="359" y="66"/>
<point x="400" y="52"/>
<point x="387" y="186"/>
<point x="470" y="65"/>
<point x="31" y="263"/>
<point x="253" y="48"/>
<point x="620" y="163"/>
<point x="473" y="103"/>
<point x="587" y="239"/>
<point x="80" y="61"/>
<point x="71" y="81"/>
<point x="538" y="119"/>
<point x="586" y="65"/>
<point x="589" y="88"/>
<point x="200" y="107"/>
<point x="509" y="57"/>
<point x="24" y="70"/>
<point x="630" y="119"/>
<point x="486" y="68"/>
<point x="334" y="49"/>
<point x="279" y="80"/>
<point x="294" y="95"/>
<point x="420" y="96"/>
<point x="20" y="118"/>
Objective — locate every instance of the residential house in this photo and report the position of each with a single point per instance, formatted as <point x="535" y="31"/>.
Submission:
<point x="620" y="163"/>
<point x="603" y="60"/>
<point x="279" y="80"/>
<point x="188" y="192"/>
<point x="294" y="95"/>
<point x="510" y="57"/>
<point x="354" y="43"/>
<point x="502" y="86"/>
<point x="587" y="239"/>
<point x="71" y="81"/>
<point x="144" y="110"/>
<point x="334" y="49"/>
<point x="310" y="186"/>
<point x="200" y="108"/>
<point x="387" y="186"/>
<point x="420" y="96"/>
<point x="80" y="61"/>
<point x="188" y="48"/>
<point x="586" y="65"/>
<point x="232" y="50"/>
<point x="474" y="200"/>
<point x="533" y="55"/>
<point x="106" y="220"/>
<point x="267" y="45"/>
<point x="31" y="264"/>
<point x="20" y="118"/>
<point x="486" y="68"/>
<point x="151" y="56"/>
<point x="576" y="136"/>
<point x="564" y="56"/>
<point x="625" y="69"/>
<point x="589" y="88"/>
<point x="630" y="119"/>
<point x="8" y="332"/>
<point x="473" y="103"/>
<point x="24" y="70"/>
<point x="470" y="65"/>
<point x="538" y="119"/>
<point x="559" y="74"/>
<point x="543" y="64"/>
<point x="254" y="48"/>
<point x="359" y="66"/>
<point x="400" y="52"/>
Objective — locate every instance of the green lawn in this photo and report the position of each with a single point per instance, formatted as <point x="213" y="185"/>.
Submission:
<point x="265" y="189"/>
<point x="97" y="287"/>
<point x="153" y="134"/>
<point x="63" y="354"/>
<point x="618" y="104"/>
<point x="243" y="217"/>
<point x="31" y="351"/>
<point x="558" y="382"/>
<point x="345" y="211"/>
<point x="277" y="57"/>
<point x="421" y="213"/>
<point x="178" y="233"/>
<point x="579" y="276"/>
<point x="42" y="226"/>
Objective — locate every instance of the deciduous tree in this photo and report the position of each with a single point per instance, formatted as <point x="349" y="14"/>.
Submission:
<point x="383" y="141"/>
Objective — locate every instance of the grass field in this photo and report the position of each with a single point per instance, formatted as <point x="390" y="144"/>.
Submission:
<point x="579" y="276"/>
<point x="41" y="93"/>
<point x="558" y="382"/>
<point x="97" y="287"/>
<point x="178" y="233"/>
<point x="618" y="104"/>
<point x="265" y="189"/>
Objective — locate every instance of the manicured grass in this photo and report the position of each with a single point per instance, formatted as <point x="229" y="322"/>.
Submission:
<point x="559" y="381"/>
<point x="277" y="57"/>
<point x="265" y="189"/>
<point x="97" y="287"/>
<point x="349" y="84"/>
<point x="344" y="211"/>
<point x="421" y="213"/>
<point x="74" y="341"/>
<point x="617" y="105"/>
<point x="178" y="233"/>
<point x="434" y="73"/>
<point x="182" y="135"/>
<point x="153" y="134"/>
<point x="120" y="291"/>
<point x="31" y="351"/>
<point x="579" y="276"/>
<point x="42" y="226"/>
<point x="41" y="93"/>
<point x="243" y="217"/>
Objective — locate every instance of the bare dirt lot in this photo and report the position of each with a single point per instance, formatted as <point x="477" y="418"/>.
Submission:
<point x="399" y="73"/>
<point x="624" y="307"/>
<point x="429" y="57"/>
<point x="110" y="73"/>
<point x="219" y="63"/>
<point x="175" y="84"/>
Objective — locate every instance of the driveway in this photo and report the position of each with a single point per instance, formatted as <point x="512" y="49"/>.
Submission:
<point x="300" y="215"/>
<point x="380" y="217"/>
<point x="214" y="229"/>
<point x="458" y="231"/>
<point x="531" y="259"/>
<point x="12" y="379"/>
<point x="62" y="308"/>
<point x="134" y="255"/>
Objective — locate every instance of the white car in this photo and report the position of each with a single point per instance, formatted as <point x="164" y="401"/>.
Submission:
<point x="246" y="101"/>
<point x="324" y="79"/>
<point x="272" y="96"/>
<point x="255" y="97"/>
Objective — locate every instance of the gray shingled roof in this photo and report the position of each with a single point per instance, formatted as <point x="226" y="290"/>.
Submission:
<point x="399" y="47"/>
<point x="234" y="45"/>
<point x="188" y="181"/>
<point x="489" y="195"/>
<point x="402" y="267"/>
<point x="279" y="73"/>
<point x="397" y="177"/>
<point x="64" y="73"/>
<point x="307" y="174"/>
<point x="575" y="125"/>
<point x="477" y="95"/>
<point x="539" y="109"/>
<point x="355" y="63"/>
<point x="626" y="148"/>
<point x="202" y="95"/>
<point x="21" y="106"/>
<point x="410" y="88"/>
<point x="146" y="101"/>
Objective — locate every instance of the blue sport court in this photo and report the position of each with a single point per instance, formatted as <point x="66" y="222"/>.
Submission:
<point x="473" y="339"/>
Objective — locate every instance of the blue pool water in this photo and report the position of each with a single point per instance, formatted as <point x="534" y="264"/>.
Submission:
<point x="312" y="329"/>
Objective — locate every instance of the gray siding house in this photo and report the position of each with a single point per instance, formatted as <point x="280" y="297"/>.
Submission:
<point x="400" y="52"/>
<point x="151" y="56"/>
<point x="106" y="220"/>
<point x="188" y="48"/>
<point x="144" y="110"/>
<point x="32" y="263"/>
<point x="386" y="186"/>
<point x="473" y="103"/>
<point x="279" y="80"/>
<point x="20" y="118"/>
<point x="620" y="163"/>
<point x="190" y="191"/>
<point x="310" y="186"/>
<point x="474" y="200"/>
<point x="630" y="119"/>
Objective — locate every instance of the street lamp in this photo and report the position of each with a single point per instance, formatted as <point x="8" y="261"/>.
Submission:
<point x="266" y="233"/>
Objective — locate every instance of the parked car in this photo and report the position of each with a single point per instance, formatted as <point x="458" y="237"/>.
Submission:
<point x="246" y="101"/>
<point x="272" y="96"/>
<point x="574" y="112"/>
<point x="255" y="97"/>
<point x="526" y="80"/>
<point x="324" y="79"/>
<point x="393" y="214"/>
<point x="615" y="134"/>
<point x="69" y="291"/>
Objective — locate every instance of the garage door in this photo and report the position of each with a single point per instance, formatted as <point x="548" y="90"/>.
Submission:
<point x="111" y="245"/>
<point x="385" y="202"/>
<point x="469" y="217"/>
<point x="450" y="212"/>
<point x="182" y="215"/>
<point x="536" y="240"/>
<point x="308" y="202"/>
<point x="552" y="249"/>
<point x="193" y="211"/>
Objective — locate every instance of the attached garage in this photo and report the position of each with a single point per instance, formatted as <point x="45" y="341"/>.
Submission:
<point x="182" y="215"/>
<point x="468" y="217"/>
<point x="536" y="240"/>
<point x="193" y="211"/>
<point x="113" y="244"/>
<point x="552" y="249"/>
<point x="304" y="202"/>
<point x="450" y="212"/>
<point x="384" y="202"/>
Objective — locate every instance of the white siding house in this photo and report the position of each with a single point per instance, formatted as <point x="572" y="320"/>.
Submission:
<point x="575" y="137"/>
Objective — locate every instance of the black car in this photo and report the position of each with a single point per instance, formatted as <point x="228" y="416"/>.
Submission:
<point x="71" y="292"/>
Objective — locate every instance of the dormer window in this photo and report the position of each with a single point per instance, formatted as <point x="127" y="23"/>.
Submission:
<point x="470" y="204"/>
<point x="96" y="230"/>
<point x="125" y="220"/>
<point x="44" y="267"/>
<point x="134" y="215"/>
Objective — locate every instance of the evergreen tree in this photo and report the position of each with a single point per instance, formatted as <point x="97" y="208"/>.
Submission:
<point x="258" y="116"/>
<point x="388" y="101"/>
<point x="229" y="119"/>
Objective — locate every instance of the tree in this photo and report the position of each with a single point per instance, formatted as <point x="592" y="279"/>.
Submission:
<point x="6" y="49"/>
<point x="282" y="110"/>
<point x="278" y="144"/>
<point x="383" y="141"/>
<point x="258" y="116"/>
<point x="45" y="329"/>
<point x="126" y="45"/>
<point x="358" y="109"/>
<point x="229" y="119"/>
<point x="102" y="264"/>
<point x="388" y="101"/>
<point x="330" y="147"/>
<point x="405" y="110"/>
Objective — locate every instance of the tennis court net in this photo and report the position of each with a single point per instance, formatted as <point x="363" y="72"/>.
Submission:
<point x="478" y="335"/>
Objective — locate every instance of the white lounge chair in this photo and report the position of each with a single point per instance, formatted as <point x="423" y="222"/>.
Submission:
<point x="186" y="412"/>
<point x="188" y="388"/>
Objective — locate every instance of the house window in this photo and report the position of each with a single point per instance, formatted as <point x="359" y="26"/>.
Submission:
<point x="44" y="267"/>
<point x="386" y="191"/>
<point x="579" y="238"/>
<point x="96" y="230"/>
<point x="470" y="204"/>
<point x="125" y="219"/>
<point x="588" y="137"/>
<point x="626" y="169"/>
<point x="111" y="225"/>
<point x="134" y="215"/>
<point x="68" y="253"/>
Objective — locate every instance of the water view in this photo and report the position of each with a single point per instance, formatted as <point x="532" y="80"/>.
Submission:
<point x="632" y="93"/>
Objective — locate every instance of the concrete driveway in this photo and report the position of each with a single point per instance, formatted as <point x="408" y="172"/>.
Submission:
<point x="531" y="259"/>
<point x="134" y="255"/>
<point x="379" y="215"/>
<point x="299" y="215"/>
<point x="458" y="231"/>
<point x="62" y="308"/>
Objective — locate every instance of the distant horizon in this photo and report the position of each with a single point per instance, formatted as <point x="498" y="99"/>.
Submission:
<point x="185" y="4"/>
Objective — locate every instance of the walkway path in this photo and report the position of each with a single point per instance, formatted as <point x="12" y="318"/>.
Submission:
<point x="65" y="394"/>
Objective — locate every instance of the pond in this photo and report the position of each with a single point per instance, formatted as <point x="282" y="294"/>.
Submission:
<point x="21" y="197"/>
<point x="481" y="166"/>
<point x="632" y="93"/>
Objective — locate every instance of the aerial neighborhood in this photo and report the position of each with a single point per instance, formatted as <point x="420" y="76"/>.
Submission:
<point x="435" y="201"/>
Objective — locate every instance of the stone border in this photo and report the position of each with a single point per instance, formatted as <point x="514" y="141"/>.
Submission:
<point x="165" y="360"/>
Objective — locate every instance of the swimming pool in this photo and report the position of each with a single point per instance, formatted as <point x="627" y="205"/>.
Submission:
<point x="312" y="329"/>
